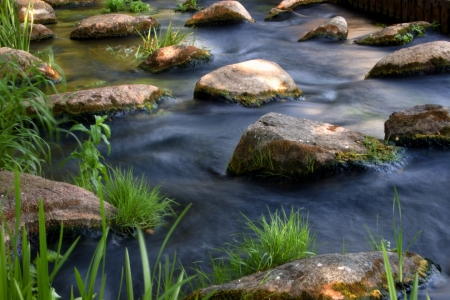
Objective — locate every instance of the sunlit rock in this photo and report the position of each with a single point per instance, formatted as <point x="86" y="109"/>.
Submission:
<point x="421" y="126"/>
<point x="64" y="203"/>
<point x="328" y="276"/>
<point x="293" y="148"/>
<point x="110" y="100"/>
<point x="175" y="57"/>
<point x="286" y="7"/>
<point x="42" y="13"/>
<point x="422" y="59"/>
<point x="112" y="25"/>
<point x="40" y="32"/>
<point x="250" y="83"/>
<point x="335" y="28"/>
<point x="222" y="12"/>
<point x="397" y="34"/>
<point x="29" y="64"/>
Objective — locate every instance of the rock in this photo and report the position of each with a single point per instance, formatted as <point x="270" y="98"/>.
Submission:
<point x="421" y="126"/>
<point x="328" y="276"/>
<point x="43" y="13"/>
<point x="282" y="146"/>
<point x="250" y="83"/>
<point x="335" y="28"/>
<point x="222" y="12"/>
<point x="57" y="3"/>
<point x="111" y="100"/>
<point x="276" y="14"/>
<point x="175" y="57"/>
<point x="189" y="6"/>
<point x="40" y="32"/>
<point x="393" y="35"/>
<point x="27" y="62"/>
<point x="63" y="203"/>
<point x="286" y="7"/>
<point x="112" y="25"/>
<point x="422" y="59"/>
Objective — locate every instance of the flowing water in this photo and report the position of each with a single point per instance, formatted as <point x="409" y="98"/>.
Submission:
<point x="187" y="143"/>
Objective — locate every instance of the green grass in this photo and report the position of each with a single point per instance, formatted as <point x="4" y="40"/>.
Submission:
<point x="138" y="204"/>
<point x="13" y="35"/>
<point x="124" y="5"/>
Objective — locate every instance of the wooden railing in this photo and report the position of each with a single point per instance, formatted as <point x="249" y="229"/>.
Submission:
<point x="407" y="10"/>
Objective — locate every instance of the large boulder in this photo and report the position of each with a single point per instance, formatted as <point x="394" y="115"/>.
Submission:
<point x="422" y="59"/>
<point x="250" y="83"/>
<point x="175" y="57"/>
<point x="336" y="28"/>
<point x="294" y="148"/>
<point x="43" y="13"/>
<point x="112" y="25"/>
<point x="222" y="12"/>
<point x="286" y="7"/>
<point x="64" y="203"/>
<point x="27" y="62"/>
<point x="397" y="34"/>
<point x="328" y="276"/>
<point x="40" y="32"/>
<point x="420" y="126"/>
<point x="110" y="100"/>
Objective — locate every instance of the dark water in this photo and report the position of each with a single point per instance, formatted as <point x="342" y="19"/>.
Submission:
<point x="186" y="144"/>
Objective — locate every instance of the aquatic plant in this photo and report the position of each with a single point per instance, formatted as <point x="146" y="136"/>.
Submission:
<point x="190" y="5"/>
<point x="124" y="5"/>
<point x="14" y="33"/>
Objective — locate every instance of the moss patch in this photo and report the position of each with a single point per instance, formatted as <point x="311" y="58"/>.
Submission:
<point x="377" y="152"/>
<point x="356" y="290"/>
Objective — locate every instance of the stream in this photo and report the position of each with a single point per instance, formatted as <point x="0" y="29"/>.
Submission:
<point x="186" y="144"/>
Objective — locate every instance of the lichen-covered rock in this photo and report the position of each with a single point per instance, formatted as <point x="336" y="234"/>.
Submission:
<point x="57" y="3"/>
<point x="328" y="276"/>
<point x="294" y="148"/>
<point x="64" y="203"/>
<point x="286" y="7"/>
<point x="420" y="126"/>
<point x="250" y="83"/>
<point x="175" y="57"/>
<point x="222" y="12"/>
<point x="112" y="25"/>
<point x="111" y="100"/>
<point x="395" y="34"/>
<point x="43" y="13"/>
<point x="29" y="64"/>
<point x="40" y="32"/>
<point x="422" y="59"/>
<point x="335" y="28"/>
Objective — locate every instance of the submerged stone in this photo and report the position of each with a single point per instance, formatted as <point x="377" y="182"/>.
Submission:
<point x="222" y="12"/>
<point x="293" y="148"/>
<point x="428" y="58"/>
<point x="420" y="126"/>
<point x="27" y="62"/>
<point x="250" y="83"/>
<point x="175" y="57"/>
<point x="40" y="32"/>
<point x="330" y="276"/>
<point x="396" y="34"/>
<point x="42" y="13"/>
<point x="335" y="28"/>
<point x="112" y="25"/>
<point x="111" y="100"/>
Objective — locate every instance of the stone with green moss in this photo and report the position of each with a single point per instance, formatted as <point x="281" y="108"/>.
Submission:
<point x="286" y="147"/>
<point x="222" y="12"/>
<point x="420" y="126"/>
<point x="428" y="58"/>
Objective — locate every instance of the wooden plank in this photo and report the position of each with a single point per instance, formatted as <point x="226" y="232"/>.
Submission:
<point x="444" y="17"/>
<point x="378" y="6"/>
<point x="427" y="15"/>
<point x="385" y="7"/>
<point x="391" y="6"/>
<point x="372" y="6"/>
<point x="419" y="10"/>
<point x="366" y="5"/>
<point x="436" y="13"/>
<point x="406" y="7"/>
<point x="398" y="14"/>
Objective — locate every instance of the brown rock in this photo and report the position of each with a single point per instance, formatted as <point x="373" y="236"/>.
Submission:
<point x="291" y="4"/>
<point x="175" y="57"/>
<point x="40" y="32"/>
<point x="335" y="28"/>
<point x="27" y="62"/>
<point x="422" y="59"/>
<point x="250" y="83"/>
<point x="57" y="3"/>
<point x="112" y="25"/>
<point x="111" y="100"/>
<point x="328" y="276"/>
<point x="63" y="203"/>
<point x="222" y="12"/>
<point x="293" y="148"/>
<point x="420" y="126"/>
<point x="389" y="35"/>
<point x="43" y="13"/>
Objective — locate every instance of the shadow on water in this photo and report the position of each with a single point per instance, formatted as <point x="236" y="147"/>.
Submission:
<point x="186" y="144"/>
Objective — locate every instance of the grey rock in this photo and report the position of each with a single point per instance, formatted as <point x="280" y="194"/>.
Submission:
<point x="43" y="13"/>
<point x="222" y="12"/>
<point x="40" y="32"/>
<point x="335" y="28"/>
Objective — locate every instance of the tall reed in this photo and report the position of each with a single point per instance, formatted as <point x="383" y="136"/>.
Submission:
<point x="13" y="34"/>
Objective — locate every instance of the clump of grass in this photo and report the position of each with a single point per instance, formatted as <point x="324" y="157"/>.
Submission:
<point x="12" y="34"/>
<point x="138" y="204"/>
<point x="189" y="5"/>
<point x="271" y="242"/>
<point x="125" y="5"/>
<point x="159" y="39"/>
